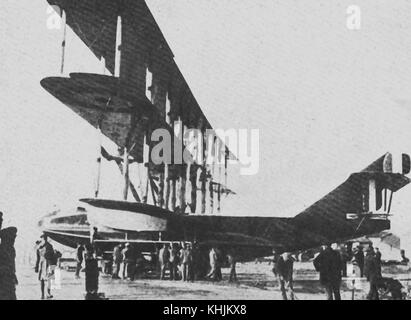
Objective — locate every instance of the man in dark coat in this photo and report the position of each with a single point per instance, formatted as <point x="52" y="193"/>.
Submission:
<point x="8" y="279"/>
<point x="284" y="269"/>
<point x="328" y="263"/>
<point x="372" y="272"/>
<point x="344" y="260"/>
<point x="129" y="262"/>
<point x="91" y="273"/>
<point x="359" y="260"/>
<point x="174" y="262"/>
<point x="378" y="257"/>
<point x="232" y="261"/>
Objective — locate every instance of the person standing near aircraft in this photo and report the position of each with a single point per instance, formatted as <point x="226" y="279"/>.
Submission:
<point x="95" y="236"/>
<point x="45" y="255"/>
<point x="129" y="262"/>
<point x="54" y="269"/>
<point x="359" y="259"/>
<point x="232" y="262"/>
<point x="378" y="257"/>
<point x="91" y="273"/>
<point x="174" y="262"/>
<point x="196" y="270"/>
<point x="275" y="260"/>
<point x="213" y="264"/>
<point x="187" y="261"/>
<point x="328" y="264"/>
<point x="284" y="268"/>
<point x="79" y="259"/>
<point x="164" y="259"/>
<point x="218" y="274"/>
<point x="8" y="279"/>
<point x="117" y="260"/>
<point x="372" y="273"/>
<point x="344" y="260"/>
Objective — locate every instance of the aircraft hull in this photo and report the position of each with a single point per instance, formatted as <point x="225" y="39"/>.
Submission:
<point x="147" y="227"/>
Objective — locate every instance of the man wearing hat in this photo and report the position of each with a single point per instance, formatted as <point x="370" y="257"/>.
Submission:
<point x="129" y="262"/>
<point x="372" y="272"/>
<point x="45" y="255"/>
<point x="164" y="259"/>
<point x="284" y="268"/>
<point x="8" y="279"/>
<point x="328" y="264"/>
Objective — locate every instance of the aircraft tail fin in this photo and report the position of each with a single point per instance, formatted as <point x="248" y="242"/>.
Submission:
<point x="361" y="205"/>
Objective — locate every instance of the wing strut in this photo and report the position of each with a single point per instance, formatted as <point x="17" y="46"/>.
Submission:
<point x="63" y="43"/>
<point x="126" y="173"/>
<point x="98" y="177"/>
<point x="118" y="47"/>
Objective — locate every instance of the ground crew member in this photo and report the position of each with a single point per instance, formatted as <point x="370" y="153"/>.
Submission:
<point x="8" y="279"/>
<point x="117" y="260"/>
<point x="359" y="259"/>
<point x="196" y="270"/>
<point x="174" y="262"/>
<point x="213" y="264"/>
<point x="79" y="259"/>
<point x="373" y="274"/>
<point x="44" y="254"/>
<point x="344" y="260"/>
<point x="284" y="268"/>
<point x="378" y="257"/>
<point x="95" y="236"/>
<point x="218" y="274"/>
<point x="164" y="259"/>
<point x="187" y="261"/>
<point x="232" y="262"/>
<point x="275" y="260"/>
<point x="328" y="264"/>
<point x="91" y="273"/>
<point x="128" y="262"/>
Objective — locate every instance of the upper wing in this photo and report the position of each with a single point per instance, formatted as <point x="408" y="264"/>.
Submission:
<point x="143" y="49"/>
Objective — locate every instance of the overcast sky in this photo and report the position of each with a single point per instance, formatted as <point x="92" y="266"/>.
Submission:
<point x="327" y="100"/>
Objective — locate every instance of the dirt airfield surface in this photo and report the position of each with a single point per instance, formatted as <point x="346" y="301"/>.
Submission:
<point x="256" y="282"/>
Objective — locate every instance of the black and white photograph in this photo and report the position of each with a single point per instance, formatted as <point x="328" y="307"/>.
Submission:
<point x="218" y="151"/>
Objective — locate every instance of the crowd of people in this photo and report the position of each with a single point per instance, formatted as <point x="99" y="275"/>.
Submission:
<point x="188" y="262"/>
<point x="331" y="263"/>
<point x="173" y="261"/>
